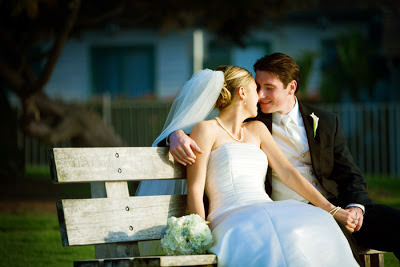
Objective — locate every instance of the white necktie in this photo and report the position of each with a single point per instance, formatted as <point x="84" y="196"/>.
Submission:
<point x="292" y="132"/>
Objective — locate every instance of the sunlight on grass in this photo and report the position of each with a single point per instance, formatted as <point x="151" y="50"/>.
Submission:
<point x="34" y="240"/>
<point x="384" y="190"/>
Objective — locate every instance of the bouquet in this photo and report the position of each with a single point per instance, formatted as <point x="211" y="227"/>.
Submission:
<point x="186" y="235"/>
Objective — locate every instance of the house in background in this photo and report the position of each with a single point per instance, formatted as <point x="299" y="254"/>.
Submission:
<point x="148" y="66"/>
<point x="138" y="64"/>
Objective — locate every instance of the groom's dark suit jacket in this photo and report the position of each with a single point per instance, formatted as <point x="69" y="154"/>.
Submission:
<point x="332" y="162"/>
<point x="334" y="167"/>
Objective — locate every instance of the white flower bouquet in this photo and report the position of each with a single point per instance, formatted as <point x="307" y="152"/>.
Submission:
<point x="186" y="235"/>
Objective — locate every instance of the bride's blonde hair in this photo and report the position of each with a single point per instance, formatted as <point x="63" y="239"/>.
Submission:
<point x="235" y="77"/>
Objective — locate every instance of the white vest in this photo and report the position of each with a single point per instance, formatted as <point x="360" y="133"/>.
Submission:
<point x="297" y="151"/>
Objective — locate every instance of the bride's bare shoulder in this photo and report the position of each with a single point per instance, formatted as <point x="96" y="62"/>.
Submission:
<point x="205" y="126"/>
<point x="256" y="126"/>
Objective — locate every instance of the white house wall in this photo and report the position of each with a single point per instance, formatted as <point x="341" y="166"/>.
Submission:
<point x="173" y="57"/>
<point x="172" y="62"/>
<point x="70" y="79"/>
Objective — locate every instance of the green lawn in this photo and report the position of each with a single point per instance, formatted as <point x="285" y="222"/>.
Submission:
<point x="385" y="190"/>
<point x="29" y="239"/>
<point x="34" y="240"/>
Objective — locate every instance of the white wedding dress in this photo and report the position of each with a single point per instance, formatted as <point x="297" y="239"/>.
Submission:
<point x="250" y="229"/>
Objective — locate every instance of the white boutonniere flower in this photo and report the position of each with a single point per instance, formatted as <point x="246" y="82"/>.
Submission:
<point x="315" y="122"/>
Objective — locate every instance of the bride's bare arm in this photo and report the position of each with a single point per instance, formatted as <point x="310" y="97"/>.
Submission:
<point x="203" y="134"/>
<point x="183" y="148"/>
<point x="293" y="179"/>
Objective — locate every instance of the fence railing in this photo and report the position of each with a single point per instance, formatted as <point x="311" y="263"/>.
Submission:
<point x="372" y="131"/>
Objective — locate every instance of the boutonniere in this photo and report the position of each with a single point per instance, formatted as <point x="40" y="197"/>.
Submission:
<point x="315" y="122"/>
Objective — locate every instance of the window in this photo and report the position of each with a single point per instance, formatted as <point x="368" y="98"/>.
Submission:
<point x="123" y="71"/>
<point x="222" y="53"/>
<point x="217" y="53"/>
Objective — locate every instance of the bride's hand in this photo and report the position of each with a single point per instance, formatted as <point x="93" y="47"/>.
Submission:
<point x="347" y="219"/>
<point x="182" y="147"/>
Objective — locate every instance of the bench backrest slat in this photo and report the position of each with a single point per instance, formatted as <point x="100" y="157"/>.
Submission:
<point x="69" y="165"/>
<point x="112" y="215"/>
<point x="108" y="220"/>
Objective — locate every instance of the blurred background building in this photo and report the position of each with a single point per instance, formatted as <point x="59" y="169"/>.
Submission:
<point x="128" y="67"/>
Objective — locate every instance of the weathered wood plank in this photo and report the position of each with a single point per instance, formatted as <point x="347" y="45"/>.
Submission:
<point x="371" y="258"/>
<point x="184" y="260"/>
<point x="117" y="189"/>
<point x="108" y="220"/>
<point x="116" y="250"/>
<point x="372" y="251"/>
<point x="70" y="165"/>
<point x="188" y="260"/>
<point x="113" y="190"/>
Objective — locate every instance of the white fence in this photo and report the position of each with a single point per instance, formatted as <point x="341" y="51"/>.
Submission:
<point x="372" y="132"/>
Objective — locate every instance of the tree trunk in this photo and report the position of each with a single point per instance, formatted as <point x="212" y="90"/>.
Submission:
<point x="54" y="122"/>
<point x="11" y="156"/>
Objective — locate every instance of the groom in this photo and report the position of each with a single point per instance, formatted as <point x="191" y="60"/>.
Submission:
<point x="314" y="143"/>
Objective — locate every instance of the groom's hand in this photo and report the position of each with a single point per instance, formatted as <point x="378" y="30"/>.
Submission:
<point x="182" y="146"/>
<point x="358" y="215"/>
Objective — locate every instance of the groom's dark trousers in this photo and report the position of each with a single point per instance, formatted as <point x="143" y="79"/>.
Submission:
<point x="334" y="167"/>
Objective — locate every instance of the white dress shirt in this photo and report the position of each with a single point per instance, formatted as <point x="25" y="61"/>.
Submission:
<point x="294" y="145"/>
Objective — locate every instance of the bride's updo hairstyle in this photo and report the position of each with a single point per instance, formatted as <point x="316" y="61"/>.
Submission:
<point x="235" y="77"/>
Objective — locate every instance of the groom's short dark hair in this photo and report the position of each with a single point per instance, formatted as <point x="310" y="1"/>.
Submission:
<point x="281" y="65"/>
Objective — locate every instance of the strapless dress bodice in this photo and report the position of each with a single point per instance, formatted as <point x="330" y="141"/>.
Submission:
<point x="235" y="176"/>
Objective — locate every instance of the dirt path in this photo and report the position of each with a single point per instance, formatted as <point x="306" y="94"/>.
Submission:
<point x="34" y="196"/>
<point x="28" y="206"/>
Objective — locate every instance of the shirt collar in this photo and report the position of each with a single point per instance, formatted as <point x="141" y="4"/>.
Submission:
<point x="294" y="114"/>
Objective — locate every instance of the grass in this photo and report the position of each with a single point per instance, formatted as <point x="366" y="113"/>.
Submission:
<point x="29" y="239"/>
<point x="384" y="190"/>
<point x="34" y="240"/>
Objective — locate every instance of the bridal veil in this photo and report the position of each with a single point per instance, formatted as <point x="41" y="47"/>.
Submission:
<point x="194" y="103"/>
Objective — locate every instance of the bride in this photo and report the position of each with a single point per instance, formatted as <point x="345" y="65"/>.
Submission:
<point x="248" y="227"/>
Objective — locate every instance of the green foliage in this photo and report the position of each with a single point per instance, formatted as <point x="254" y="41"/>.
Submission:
<point x="305" y="62"/>
<point x="350" y="70"/>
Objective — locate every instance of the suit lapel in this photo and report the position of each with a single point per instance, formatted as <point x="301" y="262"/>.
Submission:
<point x="313" y="142"/>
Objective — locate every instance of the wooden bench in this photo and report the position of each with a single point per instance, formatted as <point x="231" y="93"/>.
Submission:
<point x="119" y="225"/>
<point x="112" y="220"/>
<point x="372" y="258"/>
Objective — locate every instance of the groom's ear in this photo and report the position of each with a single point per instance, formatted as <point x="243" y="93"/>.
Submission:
<point x="292" y="87"/>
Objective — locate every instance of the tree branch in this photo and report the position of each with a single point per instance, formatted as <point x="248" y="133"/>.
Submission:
<point x="57" y="47"/>
<point x="11" y="46"/>
<point x="110" y="14"/>
<point x="11" y="78"/>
